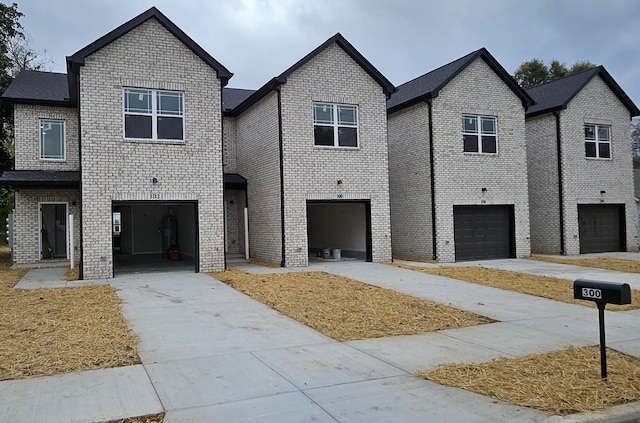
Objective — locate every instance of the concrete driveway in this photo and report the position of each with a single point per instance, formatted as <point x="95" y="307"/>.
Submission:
<point x="211" y="353"/>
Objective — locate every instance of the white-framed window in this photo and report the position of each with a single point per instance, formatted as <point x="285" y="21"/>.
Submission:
<point x="52" y="139"/>
<point x="335" y="125"/>
<point x="153" y="114"/>
<point x="597" y="141"/>
<point x="480" y="134"/>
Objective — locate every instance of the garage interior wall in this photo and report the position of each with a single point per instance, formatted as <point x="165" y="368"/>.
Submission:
<point x="141" y="228"/>
<point x="337" y="225"/>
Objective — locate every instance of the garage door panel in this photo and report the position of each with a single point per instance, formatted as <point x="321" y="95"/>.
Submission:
<point x="601" y="228"/>
<point x="483" y="232"/>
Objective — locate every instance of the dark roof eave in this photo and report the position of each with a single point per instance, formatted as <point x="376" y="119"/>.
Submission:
<point x="38" y="102"/>
<point x="423" y="98"/>
<point x="40" y="185"/>
<point x="255" y="97"/>
<point x="547" y="110"/>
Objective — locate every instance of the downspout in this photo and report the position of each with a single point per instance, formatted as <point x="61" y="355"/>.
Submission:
<point x="281" y="151"/>
<point x="81" y="217"/>
<point x="560" y="190"/>
<point x="432" y="181"/>
<point x="224" y="188"/>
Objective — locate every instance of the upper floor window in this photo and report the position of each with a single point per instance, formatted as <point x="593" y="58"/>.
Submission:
<point x="597" y="142"/>
<point x="335" y="125"/>
<point x="152" y="114"/>
<point x="479" y="134"/>
<point x="52" y="136"/>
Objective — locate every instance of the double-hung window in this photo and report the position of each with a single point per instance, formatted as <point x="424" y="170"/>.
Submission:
<point x="52" y="136"/>
<point x="153" y="114"/>
<point x="597" y="141"/>
<point x="479" y="134"/>
<point x="335" y="125"/>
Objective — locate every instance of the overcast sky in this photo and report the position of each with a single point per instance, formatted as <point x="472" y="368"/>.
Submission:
<point x="258" y="39"/>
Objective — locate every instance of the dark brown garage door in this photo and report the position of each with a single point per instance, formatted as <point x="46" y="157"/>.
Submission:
<point x="602" y="228"/>
<point x="483" y="232"/>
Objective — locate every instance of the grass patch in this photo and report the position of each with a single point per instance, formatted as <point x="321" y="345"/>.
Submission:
<point x="619" y="265"/>
<point x="539" y="286"/>
<point x="344" y="309"/>
<point x="561" y="382"/>
<point x="60" y="330"/>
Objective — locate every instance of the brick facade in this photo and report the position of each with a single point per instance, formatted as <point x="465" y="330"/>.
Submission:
<point x="583" y="178"/>
<point x="311" y="173"/>
<point x="459" y="177"/>
<point x="113" y="169"/>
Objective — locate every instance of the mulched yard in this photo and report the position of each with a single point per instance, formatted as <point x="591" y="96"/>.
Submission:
<point x="540" y="286"/>
<point x="620" y="265"/>
<point x="561" y="382"/>
<point x="344" y="309"/>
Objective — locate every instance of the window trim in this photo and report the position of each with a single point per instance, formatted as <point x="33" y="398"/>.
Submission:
<point x="479" y="133"/>
<point x="336" y="125"/>
<point x="597" y="142"/>
<point x="154" y="115"/>
<point x="41" y="139"/>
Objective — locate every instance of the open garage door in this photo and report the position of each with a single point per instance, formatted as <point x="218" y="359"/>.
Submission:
<point x="154" y="236"/>
<point x="601" y="228"/>
<point x="343" y="225"/>
<point x="483" y="232"/>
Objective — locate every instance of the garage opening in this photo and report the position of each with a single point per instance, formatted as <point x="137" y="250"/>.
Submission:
<point x="154" y="236"/>
<point x="601" y="228"/>
<point x="484" y="232"/>
<point x="341" y="227"/>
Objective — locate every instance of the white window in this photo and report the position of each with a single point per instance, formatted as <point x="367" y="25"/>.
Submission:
<point x="155" y="115"/>
<point x="335" y="125"/>
<point x="52" y="139"/>
<point x="597" y="142"/>
<point x="479" y="134"/>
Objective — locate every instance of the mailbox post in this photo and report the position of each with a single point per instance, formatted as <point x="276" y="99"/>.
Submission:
<point x="602" y="293"/>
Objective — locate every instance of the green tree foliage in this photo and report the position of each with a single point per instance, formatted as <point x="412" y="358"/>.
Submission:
<point x="535" y="72"/>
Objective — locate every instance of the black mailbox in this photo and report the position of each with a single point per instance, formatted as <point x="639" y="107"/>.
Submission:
<point x="602" y="292"/>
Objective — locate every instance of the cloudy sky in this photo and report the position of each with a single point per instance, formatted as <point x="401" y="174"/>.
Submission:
<point x="258" y="39"/>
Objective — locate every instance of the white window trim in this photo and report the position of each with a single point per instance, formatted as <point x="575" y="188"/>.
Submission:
<point x="154" y="116"/>
<point x="598" y="142"/>
<point x="479" y="134"/>
<point x="64" y="140"/>
<point x="336" y="126"/>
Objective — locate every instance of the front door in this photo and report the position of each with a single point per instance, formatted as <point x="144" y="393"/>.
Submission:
<point x="53" y="231"/>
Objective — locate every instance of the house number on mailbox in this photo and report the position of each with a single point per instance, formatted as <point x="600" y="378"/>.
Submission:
<point x="592" y="293"/>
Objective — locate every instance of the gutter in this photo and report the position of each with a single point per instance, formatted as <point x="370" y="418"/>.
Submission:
<point x="281" y="157"/>
<point x="560" y="190"/>
<point x="432" y="181"/>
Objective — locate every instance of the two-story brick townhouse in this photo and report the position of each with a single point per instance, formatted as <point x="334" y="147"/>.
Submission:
<point x="457" y="163"/>
<point x="312" y="145"/>
<point x="580" y="165"/>
<point x="130" y="142"/>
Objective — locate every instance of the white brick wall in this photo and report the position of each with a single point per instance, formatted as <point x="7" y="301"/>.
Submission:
<point x="114" y="169"/>
<point x="258" y="160"/>
<point x="459" y="176"/>
<point x="311" y="173"/>
<point x="229" y="138"/>
<point x="27" y="137"/>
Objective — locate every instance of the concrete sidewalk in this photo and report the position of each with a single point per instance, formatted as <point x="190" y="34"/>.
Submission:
<point x="213" y="354"/>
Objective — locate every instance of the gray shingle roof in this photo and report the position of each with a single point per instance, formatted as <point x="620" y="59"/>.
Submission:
<point x="231" y="97"/>
<point x="430" y="84"/>
<point x="556" y="95"/>
<point x="38" y="87"/>
<point x="40" y="179"/>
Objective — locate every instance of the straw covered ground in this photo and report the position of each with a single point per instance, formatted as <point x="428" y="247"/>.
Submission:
<point x="561" y="382"/>
<point x="156" y="418"/>
<point x="620" y="265"/>
<point x="344" y="309"/>
<point x="60" y="330"/>
<point x="540" y="286"/>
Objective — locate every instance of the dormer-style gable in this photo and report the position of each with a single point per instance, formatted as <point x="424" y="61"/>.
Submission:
<point x="387" y="87"/>
<point x="556" y="95"/>
<point x="75" y="61"/>
<point x="430" y="84"/>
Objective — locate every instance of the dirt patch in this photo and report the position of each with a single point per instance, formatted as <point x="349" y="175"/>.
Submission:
<point x="269" y="264"/>
<point x="8" y="277"/>
<point x="60" y="330"/>
<point x="619" y="265"/>
<point x="72" y="274"/>
<point x="416" y="259"/>
<point x="344" y="309"/>
<point x="561" y="382"/>
<point x="156" y="418"/>
<point x="540" y="286"/>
